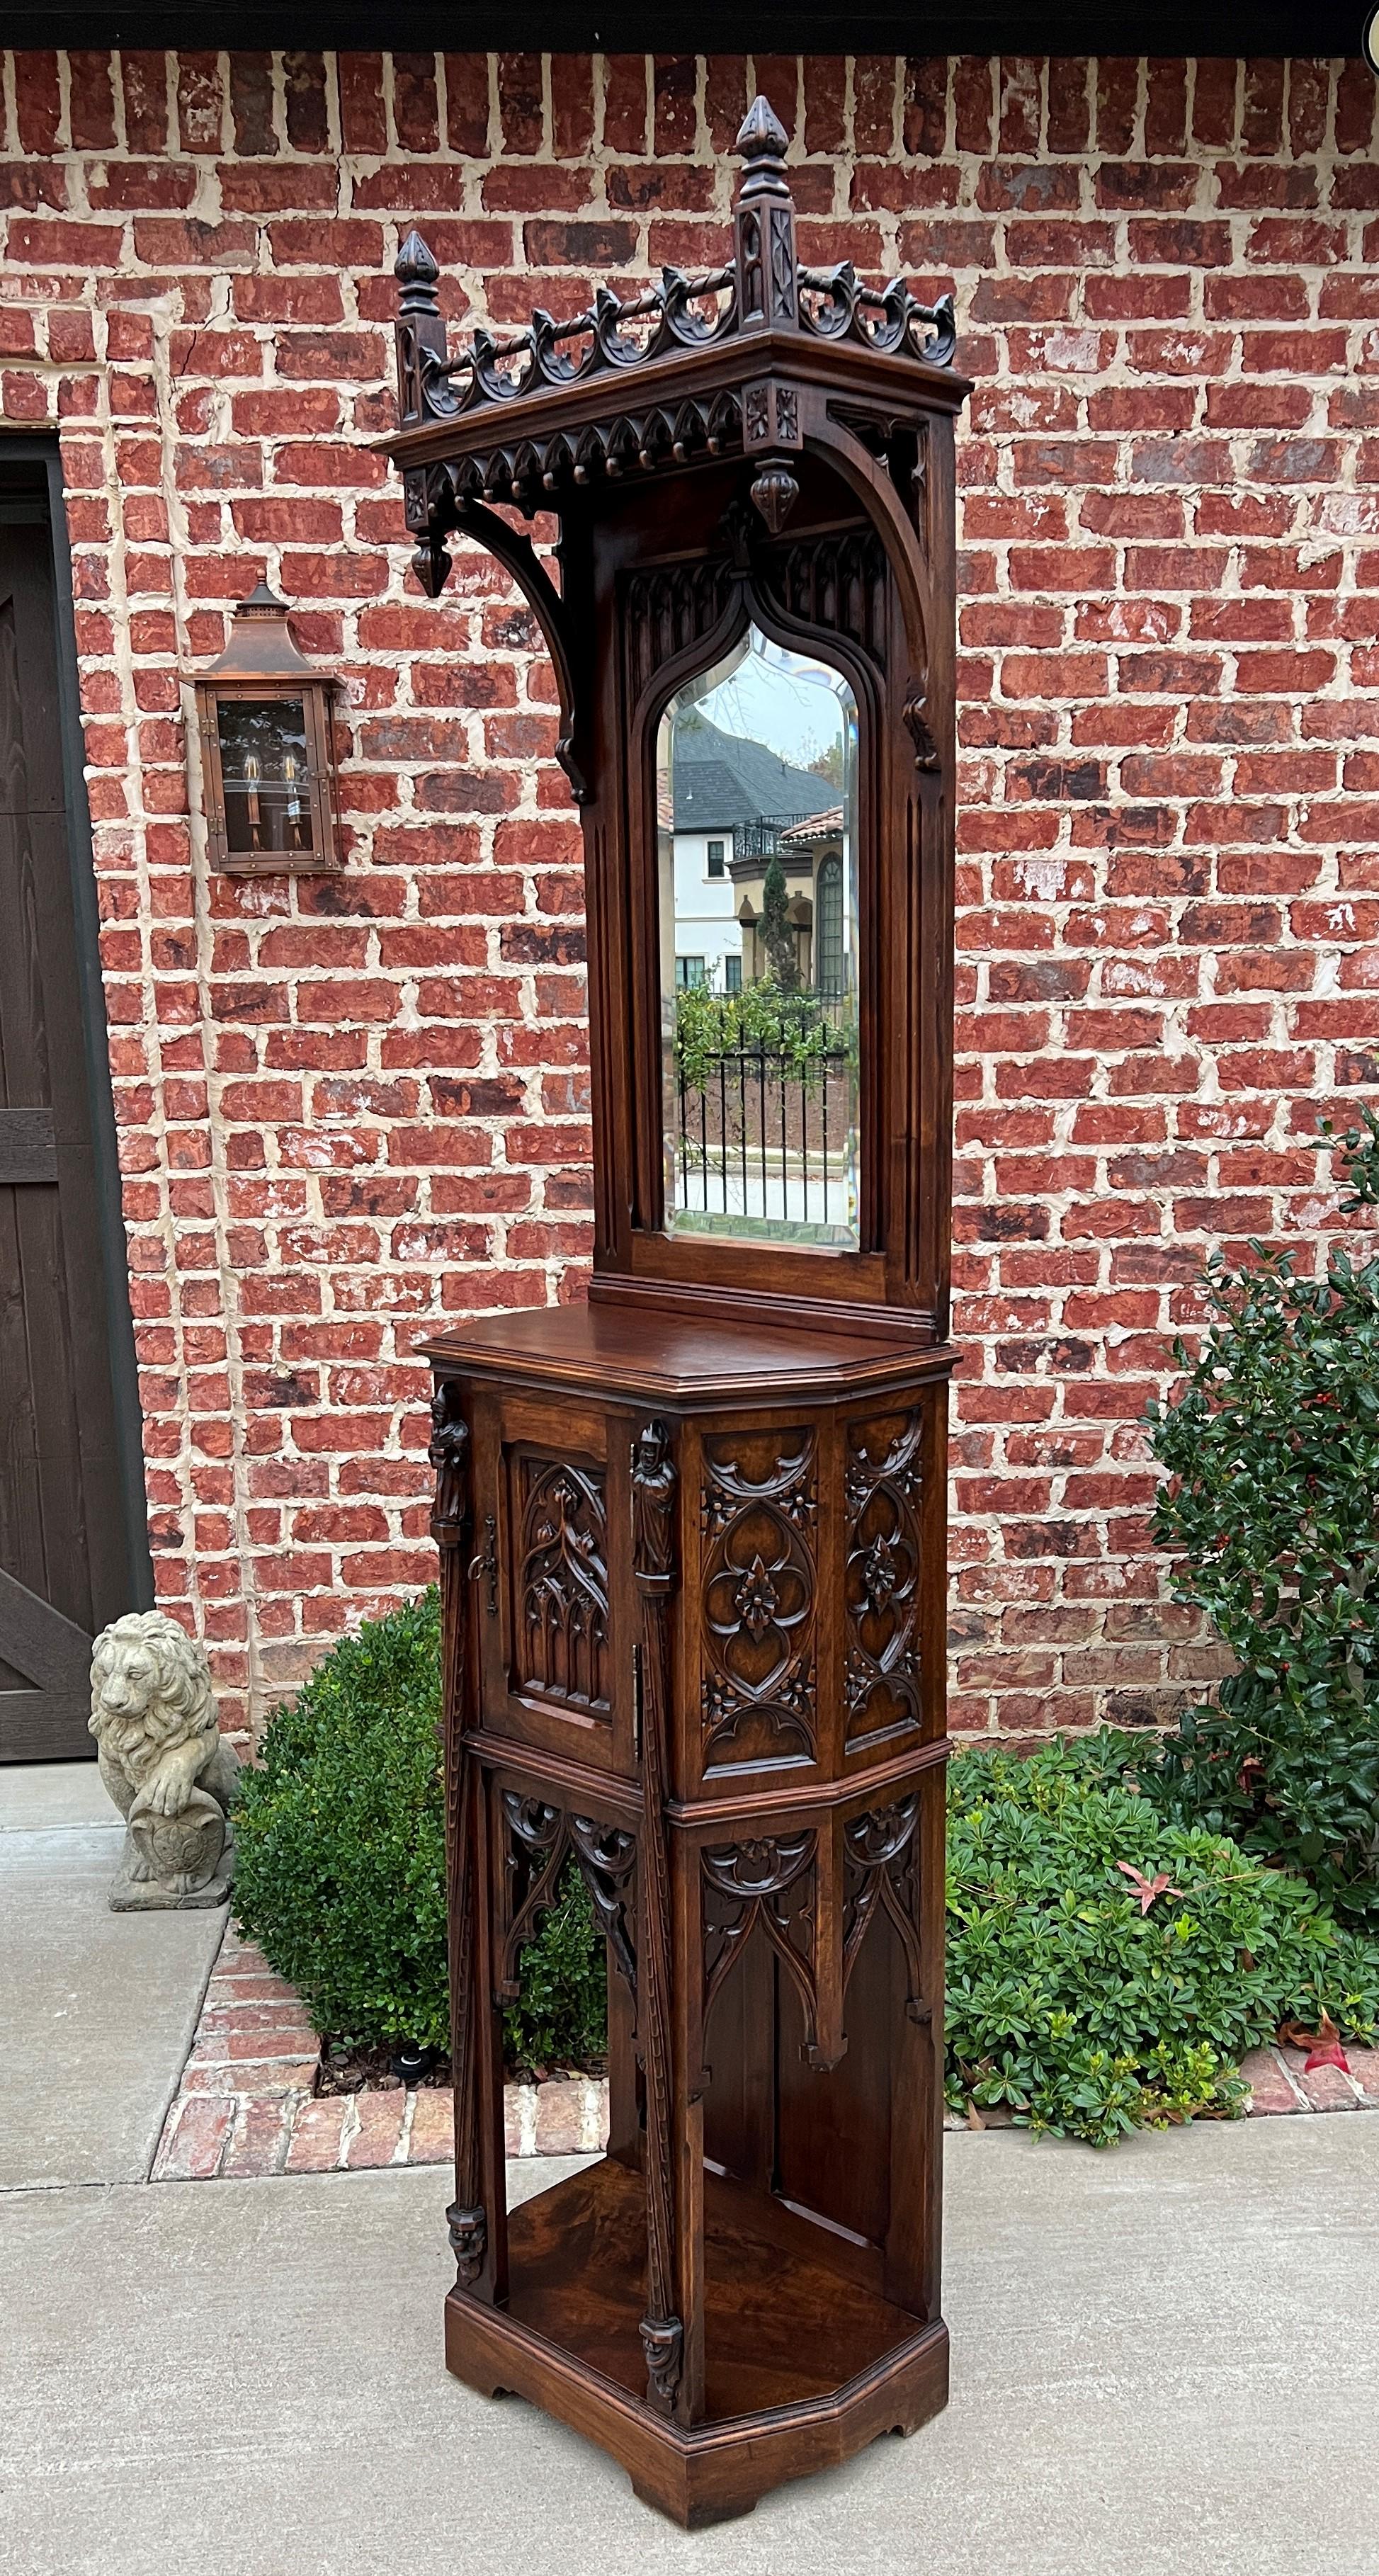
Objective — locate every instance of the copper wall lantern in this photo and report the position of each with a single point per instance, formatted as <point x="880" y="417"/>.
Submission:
<point x="272" y="804"/>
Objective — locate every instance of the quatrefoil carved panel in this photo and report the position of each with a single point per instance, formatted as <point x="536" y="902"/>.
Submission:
<point x="759" y="1597"/>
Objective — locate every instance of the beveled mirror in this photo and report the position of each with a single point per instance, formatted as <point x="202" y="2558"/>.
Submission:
<point x="756" y="820"/>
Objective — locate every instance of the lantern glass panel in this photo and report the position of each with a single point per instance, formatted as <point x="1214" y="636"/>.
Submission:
<point x="266" y="773"/>
<point x="759" y="966"/>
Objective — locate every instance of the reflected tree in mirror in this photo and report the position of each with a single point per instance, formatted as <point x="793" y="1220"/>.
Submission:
<point x="757" y="858"/>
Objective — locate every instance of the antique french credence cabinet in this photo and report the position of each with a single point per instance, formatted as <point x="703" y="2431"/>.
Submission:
<point x="692" y="1535"/>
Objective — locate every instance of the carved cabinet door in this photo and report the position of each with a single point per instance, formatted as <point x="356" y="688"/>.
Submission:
<point x="550" y="1570"/>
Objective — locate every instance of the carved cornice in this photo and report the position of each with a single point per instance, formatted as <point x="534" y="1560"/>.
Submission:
<point x="761" y="288"/>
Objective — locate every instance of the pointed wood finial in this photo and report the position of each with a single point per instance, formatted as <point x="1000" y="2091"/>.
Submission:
<point x="764" y="224"/>
<point x="420" y="332"/>
<point x="761" y="136"/>
<point x="417" y="274"/>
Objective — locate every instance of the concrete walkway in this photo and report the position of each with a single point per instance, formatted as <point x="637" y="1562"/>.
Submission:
<point x="1164" y="2357"/>
<point x="97" y="2010"/>
<point x="1165" y="2364"/>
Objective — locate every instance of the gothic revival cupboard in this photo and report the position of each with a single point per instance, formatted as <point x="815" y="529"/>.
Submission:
<point x="692" y="1534"/>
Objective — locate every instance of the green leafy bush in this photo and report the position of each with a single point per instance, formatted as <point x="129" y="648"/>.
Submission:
<point x="1083" y="2010"/>
<point x="340" y="1868"/>
<point x="795" y="1026"/>
<point x="1067" y="2003"/>
<point x="1273" y="1510"/>
<point x="340" y="1836"/>
<point x="561" y="2018"/>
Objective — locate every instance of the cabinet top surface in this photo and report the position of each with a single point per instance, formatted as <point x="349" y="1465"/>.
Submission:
<point x="673" y="1359"/>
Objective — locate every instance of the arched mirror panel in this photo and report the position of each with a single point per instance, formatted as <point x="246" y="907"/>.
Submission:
<point x="757" y="832"/>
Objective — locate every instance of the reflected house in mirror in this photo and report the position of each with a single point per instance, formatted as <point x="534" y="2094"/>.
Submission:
<point x="265" y="718"/>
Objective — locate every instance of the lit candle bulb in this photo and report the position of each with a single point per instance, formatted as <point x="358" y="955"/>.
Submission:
<point x="251" y="778"/>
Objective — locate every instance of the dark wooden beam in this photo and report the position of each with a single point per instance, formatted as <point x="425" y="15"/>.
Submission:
<point x="1327" y="27"/>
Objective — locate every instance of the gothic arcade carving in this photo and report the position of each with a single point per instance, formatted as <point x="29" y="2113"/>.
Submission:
<point x="538" y="1840"/>
<point x="881" y="1868"/>
<point x="560" y="1626"/>
<point x="769" y="1881"/>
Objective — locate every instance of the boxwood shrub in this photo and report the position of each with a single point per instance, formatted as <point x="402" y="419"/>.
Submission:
<point x="340" y="1868"/>
<point x="340" y="1836"/>
<point x="1272" y="1511"/>
<point x="1072" y="2004"/>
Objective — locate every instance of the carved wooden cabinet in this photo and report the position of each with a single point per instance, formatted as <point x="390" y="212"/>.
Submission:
<point x="692" y="1533"/>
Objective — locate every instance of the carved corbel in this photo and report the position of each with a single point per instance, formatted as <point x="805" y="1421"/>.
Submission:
<point x="448" y="1453"/>
<point x="468" y="2233"/>
<point x="518" y="556"/>
<point x="927" y="755"/>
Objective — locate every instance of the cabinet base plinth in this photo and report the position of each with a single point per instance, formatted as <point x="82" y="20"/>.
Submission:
<point x="771" y="2412"/>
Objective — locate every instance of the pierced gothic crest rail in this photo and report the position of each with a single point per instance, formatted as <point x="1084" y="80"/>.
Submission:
<point x="761" y="288"/>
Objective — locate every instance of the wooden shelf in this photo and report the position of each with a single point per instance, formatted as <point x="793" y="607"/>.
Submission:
<point x="779" y="2330"/>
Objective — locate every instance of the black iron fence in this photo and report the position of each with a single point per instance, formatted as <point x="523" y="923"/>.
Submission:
<point x="761" y="838"/>
<point x="766" y="1136"/>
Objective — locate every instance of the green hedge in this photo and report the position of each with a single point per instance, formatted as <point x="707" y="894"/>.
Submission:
<point x="340" y="1836"/>
<point x="340" y="1860"/>
<point x="1068" y="2003"/>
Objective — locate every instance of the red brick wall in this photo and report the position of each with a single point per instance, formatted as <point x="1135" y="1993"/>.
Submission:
<point x="351" y="1107"/>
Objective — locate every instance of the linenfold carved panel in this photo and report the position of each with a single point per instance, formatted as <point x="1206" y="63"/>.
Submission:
<point x="881" y="1670"/>
<point x="759" y="1599"/>
<point x="560" y="1593"/>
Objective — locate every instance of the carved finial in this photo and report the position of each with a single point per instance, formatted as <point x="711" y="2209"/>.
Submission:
<point x="417" y="273"/>
<point x="423" y="390"/>
<point x="764" y="225"/>
<point x="775" y="493"/>
<point x="762" y="138"/>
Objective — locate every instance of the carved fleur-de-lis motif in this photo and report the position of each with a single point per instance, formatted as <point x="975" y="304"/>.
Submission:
<point x="879" y="1573"/>
<point x="756" y="1599"/>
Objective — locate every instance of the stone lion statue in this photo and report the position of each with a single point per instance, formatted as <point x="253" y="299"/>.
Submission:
<point x="165" y="1763"/>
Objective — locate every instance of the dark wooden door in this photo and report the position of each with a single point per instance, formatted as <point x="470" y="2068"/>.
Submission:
<point x="64" y="1557"/>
